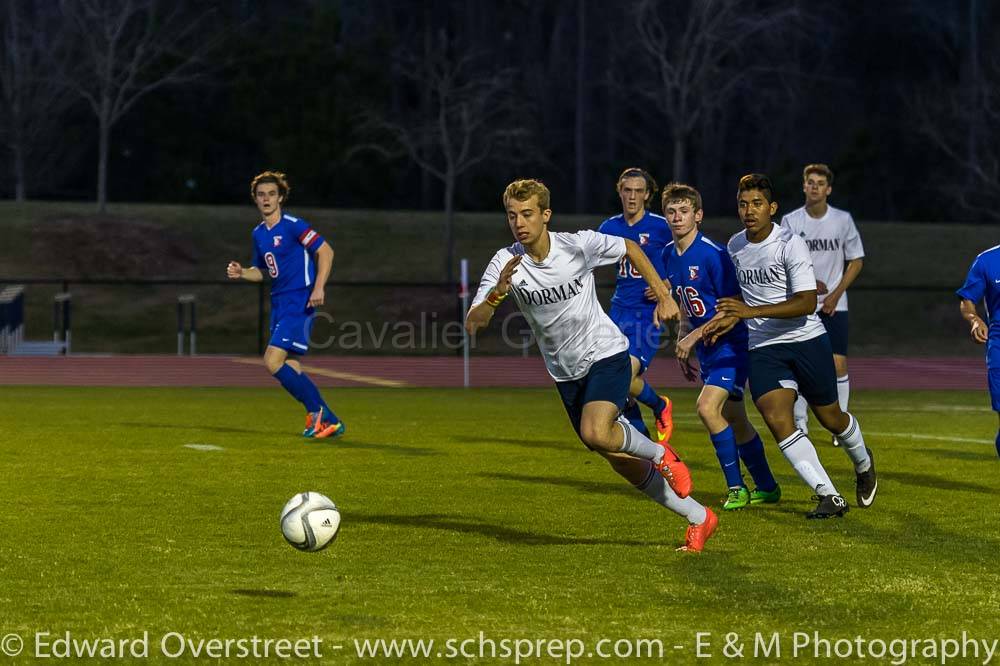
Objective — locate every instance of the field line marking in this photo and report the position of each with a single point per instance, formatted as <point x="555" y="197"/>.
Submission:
<point x="915" y="435"/>
<point x="756" y="422"/>
<point x="334" y="374"/>
<point x="204" y="447"/>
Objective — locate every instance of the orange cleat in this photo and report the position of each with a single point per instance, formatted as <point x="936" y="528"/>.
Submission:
<point x="665" y="421"/>
<point x="328" y="429"/>
<point x="697" y="535"/>
<point x="676" y="473"/>
<point x="309" y="425"/>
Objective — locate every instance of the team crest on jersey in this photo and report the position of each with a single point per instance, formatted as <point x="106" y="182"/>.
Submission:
<point x="643" y="239"/>
<point x="277" y="241"/>
<point x="693" y="272"/>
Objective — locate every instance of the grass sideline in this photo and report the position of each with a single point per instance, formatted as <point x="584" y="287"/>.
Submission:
<point x="466" y="512"/>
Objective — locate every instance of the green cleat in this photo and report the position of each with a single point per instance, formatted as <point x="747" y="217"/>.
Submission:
<point x="738" y="498"/>
<point x="758" y="496"/>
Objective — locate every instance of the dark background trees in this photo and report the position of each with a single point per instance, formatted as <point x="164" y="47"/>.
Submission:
<point x="899" y="97"/>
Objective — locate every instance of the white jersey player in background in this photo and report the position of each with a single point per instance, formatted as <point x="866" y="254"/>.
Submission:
<point x="837" y="255"/>
<point x="551" y="278"/>
<point x="789" y="348"/>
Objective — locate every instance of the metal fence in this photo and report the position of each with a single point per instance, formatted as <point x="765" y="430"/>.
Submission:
<point x="165" y="316"/>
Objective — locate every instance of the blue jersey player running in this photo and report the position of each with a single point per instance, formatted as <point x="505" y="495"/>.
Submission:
<point x="298" y="261"/>
<point x="701" y="272"/>
<point x="983" y="284"/>
<point x="633" y="302"/>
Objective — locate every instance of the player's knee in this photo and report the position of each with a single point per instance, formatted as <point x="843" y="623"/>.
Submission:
<point x="709" y="411"/>
<point x="273" y="364"/>
<point x="595" y="435"/>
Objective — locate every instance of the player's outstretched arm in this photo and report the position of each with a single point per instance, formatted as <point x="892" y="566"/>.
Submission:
<point x="801" y="303"/>
<point x="480" y="315"/>
<point x="666" y="307"/>
<point x="236" y="272"/>
<point x="977" y="328"/>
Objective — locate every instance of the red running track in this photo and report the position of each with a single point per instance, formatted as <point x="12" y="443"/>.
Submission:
<point x="506" y="371"/>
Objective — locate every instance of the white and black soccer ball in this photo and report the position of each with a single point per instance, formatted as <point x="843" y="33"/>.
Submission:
<point x="310" y="521"/>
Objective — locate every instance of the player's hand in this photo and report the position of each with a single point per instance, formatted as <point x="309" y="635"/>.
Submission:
<point x="689" y="371"/>
<point x="717" y="327"/>
<point x="317" y="297"/>
<point x="830" y="303"/>
<point x="234" y="271"/>
<point x="733" y="307"/>
<point x="666" y="310"/>
<point x="821" y="287"/>
<point x="507" y="275"/>
<point x="978" y="331"/>
<point x="683" y="350"/>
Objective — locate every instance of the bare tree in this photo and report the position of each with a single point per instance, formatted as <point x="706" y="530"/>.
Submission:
<point x="33" y="100"/>
<point x="697" y="54"/>
<point x="955" y="109"/>
<point x="946" y="118"/>
<point x="468" y="118"/>
<point x="128" y="49"/>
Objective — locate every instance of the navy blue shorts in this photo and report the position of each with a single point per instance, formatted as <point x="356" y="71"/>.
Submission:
<point x="291" y="321"/>
<point x="607" y="380"/>
<point x="836" y="328"/>
<point x="643" y="337"/>
<point x="806" y="367"/>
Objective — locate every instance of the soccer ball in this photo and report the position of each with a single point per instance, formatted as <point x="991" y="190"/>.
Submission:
<point x="310" y="521"/>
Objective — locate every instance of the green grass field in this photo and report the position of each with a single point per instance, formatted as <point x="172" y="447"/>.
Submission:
<point x="466" y="512"/>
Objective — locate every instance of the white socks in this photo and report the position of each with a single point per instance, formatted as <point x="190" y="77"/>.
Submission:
<point x="655" y="487"/>
<point x="638" y="445"/>
<point x="854" y="444"/>
<point x="801" y="412"/>
<point x="843" y="391"/>
<point x="801" y="454"/>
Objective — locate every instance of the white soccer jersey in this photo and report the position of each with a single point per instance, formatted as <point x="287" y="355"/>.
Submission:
<point x="769" y="273"/>
<point x="558" y="299"/>
<point x="832" y="240"/>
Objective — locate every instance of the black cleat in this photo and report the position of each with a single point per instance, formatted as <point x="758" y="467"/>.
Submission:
<point x="829" y="505"/>
<point x="867" y="484"/>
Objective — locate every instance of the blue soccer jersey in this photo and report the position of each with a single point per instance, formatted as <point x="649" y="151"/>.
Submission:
<point x="700" y="277"/>
<point x="652" y="234"/>
<point x="285" y="252"/>
<point x="983" y="284"/>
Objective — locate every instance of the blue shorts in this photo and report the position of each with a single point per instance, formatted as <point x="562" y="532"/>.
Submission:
<point x="994" y="379"/>
<point x="836" y="328"/>
<point x="731" y="376"/>
<point x="607" y="380"/>
<point x="643" y="337"/>
<point x="806" y="367"/>
<point x="291" y="321"/>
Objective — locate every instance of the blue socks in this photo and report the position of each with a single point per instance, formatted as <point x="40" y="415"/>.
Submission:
<point x="752" y="455"/>
<point x="313" y="392"/>
<point x="649" y="398"/>
<point x="634" y="417"/>
<point x="725" y="449"/>
<point x="302" y="389"/>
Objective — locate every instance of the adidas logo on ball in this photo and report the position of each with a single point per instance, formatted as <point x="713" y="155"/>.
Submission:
<point x="310" y="521"/>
